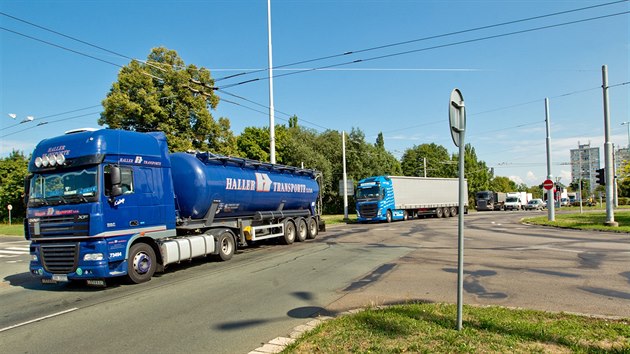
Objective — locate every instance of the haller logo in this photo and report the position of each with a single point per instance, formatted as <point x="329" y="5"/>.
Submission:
<point x="263" y="182"/>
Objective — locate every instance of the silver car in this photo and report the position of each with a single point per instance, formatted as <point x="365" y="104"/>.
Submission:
<point x="535" y="204"/>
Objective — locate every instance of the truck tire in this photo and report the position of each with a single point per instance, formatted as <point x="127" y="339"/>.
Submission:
<point x="388" y="216"/>
<point x="439" y="212"/>
<point x="289" y="232"/>
<point x="454" y="211"/>
<point x="405" y="215"/>
<point x="447" y="212"/>
<point x="141" y="263"/>
<point x="226" y="246"/>
<point x="302" y="230"/>
<point x="312" y="228"/>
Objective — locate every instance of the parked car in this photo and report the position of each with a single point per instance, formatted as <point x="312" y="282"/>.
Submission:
<point x="535" y="204"/>
<point x="565" y="202"/>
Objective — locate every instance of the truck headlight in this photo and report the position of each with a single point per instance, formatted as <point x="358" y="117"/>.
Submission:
<point x="93" y="257"/>
<point x="34" y="258"/>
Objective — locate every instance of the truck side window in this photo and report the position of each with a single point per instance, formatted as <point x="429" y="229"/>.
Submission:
<point x="126" y="174"/>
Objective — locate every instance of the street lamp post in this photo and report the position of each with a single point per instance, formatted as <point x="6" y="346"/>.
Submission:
<point x="628" y="125"/>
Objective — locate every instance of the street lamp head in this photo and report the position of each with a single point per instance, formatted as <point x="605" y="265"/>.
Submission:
<point x="27" y="119"/>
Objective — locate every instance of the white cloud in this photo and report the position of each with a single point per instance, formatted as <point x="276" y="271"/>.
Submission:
<point x="531" y="177"/>
<point x="516" y="179"/>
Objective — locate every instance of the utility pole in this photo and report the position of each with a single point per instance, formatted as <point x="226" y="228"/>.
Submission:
<point x="551" y="212"/>
<point x="610" y="214"/>
<point x="272" y="126"/>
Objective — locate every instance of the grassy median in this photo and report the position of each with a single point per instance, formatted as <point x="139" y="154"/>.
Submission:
<point x="431" y="328"/>
<point x="592" y="220"/>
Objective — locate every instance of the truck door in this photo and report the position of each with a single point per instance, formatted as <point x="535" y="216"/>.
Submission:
<point x="121" y="212"/>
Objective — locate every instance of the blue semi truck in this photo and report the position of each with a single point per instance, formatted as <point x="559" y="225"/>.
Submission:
<point x="389" y="198"/>
<point x="110" y="203"/>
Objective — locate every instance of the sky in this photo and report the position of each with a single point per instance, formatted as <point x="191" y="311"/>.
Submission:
<point x="407" y="56"/>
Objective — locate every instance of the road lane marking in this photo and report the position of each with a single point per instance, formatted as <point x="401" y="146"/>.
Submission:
<point x="38" y="319"/>
<point x="13" y="252"/>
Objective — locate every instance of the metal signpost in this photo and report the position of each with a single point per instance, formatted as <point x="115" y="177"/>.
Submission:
<point x="457" y="120"/>
<point x="9" y="207"/>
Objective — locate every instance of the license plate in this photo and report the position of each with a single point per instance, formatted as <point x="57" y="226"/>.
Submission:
<point x="60" y="277"/>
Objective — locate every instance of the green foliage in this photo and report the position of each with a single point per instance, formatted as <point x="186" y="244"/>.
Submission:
<point x="13" y="169"/>
<point x="502" y="184"/>
<point x="439" y="163"/>
<point x="164" y="94"/>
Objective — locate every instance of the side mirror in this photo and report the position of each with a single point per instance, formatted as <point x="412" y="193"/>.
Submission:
<point x="115" y="180"/>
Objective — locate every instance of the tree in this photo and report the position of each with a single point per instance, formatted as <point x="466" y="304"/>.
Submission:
<point x="163" y="94"/>
<point x="13" y="169"/>
<point x="439" y="163"/>
<point x="476" y="172"/>
<point x="502" y="184"/>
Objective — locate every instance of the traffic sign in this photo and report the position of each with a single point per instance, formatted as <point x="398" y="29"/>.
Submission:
<point x="457" y="115"/>
<point x="548" y="184"/>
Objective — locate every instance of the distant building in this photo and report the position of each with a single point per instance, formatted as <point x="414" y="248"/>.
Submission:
<point x="584" y="164"/>
<point x="622" y="157"/>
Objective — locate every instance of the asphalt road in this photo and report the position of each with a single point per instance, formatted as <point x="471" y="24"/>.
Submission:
<point x="263" y="293"/>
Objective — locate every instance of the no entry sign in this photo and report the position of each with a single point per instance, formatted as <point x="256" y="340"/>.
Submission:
<point x="548" y="184"/>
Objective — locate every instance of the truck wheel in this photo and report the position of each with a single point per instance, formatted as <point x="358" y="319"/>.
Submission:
<point x="302" y="229"/>
<point x="454" y="211"/>
<point x="439" y="212"/>
<point x="226" y="246"/>
<point x="405" y="215"/>
<point x="141" y="263"/>
<point x="289" y="232"/>
<point x="312" y="228"/>
<point x="446" y="213"/>
<point x="388" y="216"/>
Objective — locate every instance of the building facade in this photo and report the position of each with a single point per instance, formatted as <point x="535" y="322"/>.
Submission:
<point x="584" y="164"/>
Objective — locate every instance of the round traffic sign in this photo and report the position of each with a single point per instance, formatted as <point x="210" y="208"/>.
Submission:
<point x="548" y="184"/>
<point x="457" y="115"/>
<point x="10" y="207"/>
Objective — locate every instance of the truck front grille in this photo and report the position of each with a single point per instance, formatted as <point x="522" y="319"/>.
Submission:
<point x="60" y="258"/>
<point x="368" y="210"/>
<point x="59" y="226"/>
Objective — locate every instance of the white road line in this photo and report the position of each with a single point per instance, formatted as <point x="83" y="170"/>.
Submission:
<point x="13" y="252"/>
<point x="24" y="249"/>
<point x="38" y="319"/>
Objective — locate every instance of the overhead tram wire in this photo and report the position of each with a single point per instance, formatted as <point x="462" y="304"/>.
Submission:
<point x="56" y="114"/>
<point x="431" y="48"/>
<point x="52" y="122"/>
<point x="75" y="39"/>
<point x="474" y="29"/>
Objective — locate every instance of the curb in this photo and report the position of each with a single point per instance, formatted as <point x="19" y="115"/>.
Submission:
<point x="278" y="344"/>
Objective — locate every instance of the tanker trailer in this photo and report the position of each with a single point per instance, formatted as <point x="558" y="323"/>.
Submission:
<point x="258" y="200"/>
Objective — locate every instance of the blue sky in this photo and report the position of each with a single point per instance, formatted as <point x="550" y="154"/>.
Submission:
<point x="504" y="80"/>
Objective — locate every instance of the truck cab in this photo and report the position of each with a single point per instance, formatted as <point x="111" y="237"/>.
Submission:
<point x="89" y="195"/>
<point x="375" y="200"/>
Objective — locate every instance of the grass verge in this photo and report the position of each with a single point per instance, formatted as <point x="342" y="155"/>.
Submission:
<point x="12" y="230"/>
<point x="431" y="328"/>
<point x="585" y="221"/>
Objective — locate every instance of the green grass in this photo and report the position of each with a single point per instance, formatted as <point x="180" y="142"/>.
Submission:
<point x="12" y="230"/>
<point x="431" y="328"/>
<point x="338" y="219"/>
<point x="592" y="220"/>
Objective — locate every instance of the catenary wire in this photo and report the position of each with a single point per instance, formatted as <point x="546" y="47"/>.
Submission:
<point x="422" y="39"/>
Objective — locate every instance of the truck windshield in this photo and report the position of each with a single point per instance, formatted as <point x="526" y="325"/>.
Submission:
<point x="511" y="200"/>
<point x="369" y="193"/>
<point x="72" y="187"/>
<point x="483" y="195"/>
